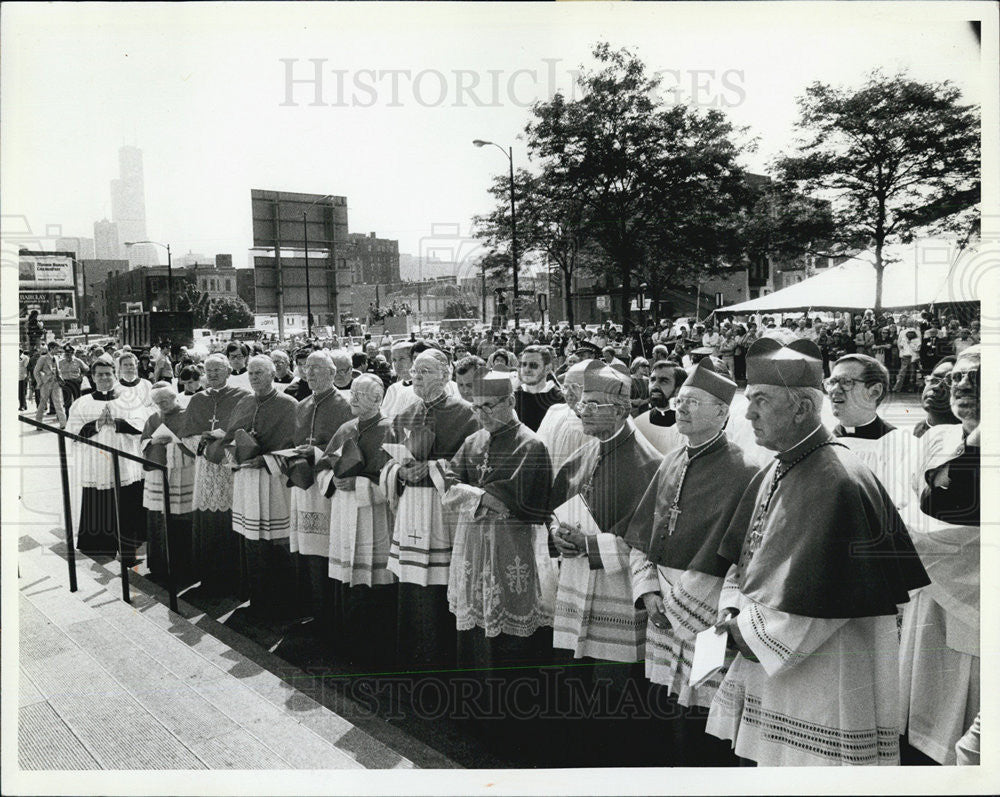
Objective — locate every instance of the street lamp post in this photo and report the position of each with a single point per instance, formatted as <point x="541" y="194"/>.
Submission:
<point x="170" y="274"/>
<point x="509" y="152"/>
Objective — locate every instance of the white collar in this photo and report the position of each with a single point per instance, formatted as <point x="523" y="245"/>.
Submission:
<point x="851" y="429"/>
<point x="547" y="385"/>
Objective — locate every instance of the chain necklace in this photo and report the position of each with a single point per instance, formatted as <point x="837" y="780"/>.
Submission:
<point x="312" y="423"/>
<point x="756" y="536"/>
<point x="260" y="403"/>
<point x="674" y="513"/>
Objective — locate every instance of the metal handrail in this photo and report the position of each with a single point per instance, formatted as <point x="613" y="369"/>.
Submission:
<point x="116" y="454"/>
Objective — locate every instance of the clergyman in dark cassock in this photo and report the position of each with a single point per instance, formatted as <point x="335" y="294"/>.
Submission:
<point x="215" y="545"/>
<point x="420" y="553"/>
<point x="317" y="419"/>
<point x="261" y="423"/>
<point x="820" y="560"/>
<point x="595" y="616"/>
<point x="676" y="572"/>
<point x="364" y="628"/>
<point x="499" y="482"/>
<point x="108" y="417"/>
<point x="161" y="442"/>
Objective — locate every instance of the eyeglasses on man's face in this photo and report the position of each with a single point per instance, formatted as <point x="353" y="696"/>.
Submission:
<point x="845" y="382"/>
<point x="589" y="407"/>
<point x="957" y="377"/>
<point x="680" y="402"/>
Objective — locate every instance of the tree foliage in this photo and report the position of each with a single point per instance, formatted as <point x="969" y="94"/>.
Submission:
<point x="228" y="313"/>
<point x="894" y="158"/>
<point x="657" y="188"/>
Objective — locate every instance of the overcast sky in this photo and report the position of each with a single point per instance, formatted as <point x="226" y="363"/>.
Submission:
<point x="203" y="91"/>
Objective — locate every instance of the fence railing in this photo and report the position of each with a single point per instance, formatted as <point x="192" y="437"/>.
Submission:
<point x="116" y="456"/>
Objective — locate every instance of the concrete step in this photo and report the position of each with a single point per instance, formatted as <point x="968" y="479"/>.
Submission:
<point x="116" y="685"/>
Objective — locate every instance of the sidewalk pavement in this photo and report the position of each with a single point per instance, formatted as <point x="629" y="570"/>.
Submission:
<point x="108" y="685"/>
<point x="105" y="684"/>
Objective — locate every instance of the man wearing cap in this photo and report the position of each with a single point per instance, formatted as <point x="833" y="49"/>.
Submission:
<point x="161" y="442"/>
<point x="432" y="428"/>
<point x="536" y="393"/>
<point x="658" y="424"/>
<point x="499" y="483"/>
<point x="317" y="418"/>
<point x="71" y="371"/>
<point x="595" y="615"/>
<point x="561" y="430"/>
<point x="674" y="535"/>
<point x="262" y="423"/>
<point x="360" y="529"/>
<point x="820" y="560"/>
<point x="215" y="545"/>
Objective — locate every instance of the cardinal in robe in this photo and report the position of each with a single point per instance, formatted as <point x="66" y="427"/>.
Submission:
<point x="499" y="483"/>
<point x="659" y="423"/>
<point x="820" y="559"/>
<point x="676" y="572"/>
<point x="939" y="660"/>
<point x="364" y="627"/>
<point x="420" y="553"/>
<point x="261" y="423"/>
<point x="561" y="429"/>
<point x="161" y="442"/>
<point x="215" y="545"/>
<point x="856" y="387"/>
<point x="596" y="618"/>
<point x="317" y="418"/>
<point x="106" y="417"/>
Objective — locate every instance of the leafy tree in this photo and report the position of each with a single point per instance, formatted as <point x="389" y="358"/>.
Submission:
<point x="550" y="222"/>
<point x="658" y="187"/>
<point x="189" y="298"/>
<point x="456" y="308"/>
<point x="894" y="158"/>
<point x="228" y="313"/>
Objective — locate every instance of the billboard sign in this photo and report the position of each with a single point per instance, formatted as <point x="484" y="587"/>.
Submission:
<point x="278" y="217"/>
<point x="44" y="272"/>
<point x="51" y="305"/>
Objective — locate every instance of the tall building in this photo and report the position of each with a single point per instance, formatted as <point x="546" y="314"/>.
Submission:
<point x="107" y="245"/>
<point x="128" y="207"/>
<point x="82" y="248"/>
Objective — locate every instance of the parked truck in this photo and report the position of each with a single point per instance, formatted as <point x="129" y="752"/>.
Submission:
<point x="140" y="330"/>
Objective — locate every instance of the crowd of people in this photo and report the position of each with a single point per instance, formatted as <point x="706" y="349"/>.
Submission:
<point x="511" y="503"/>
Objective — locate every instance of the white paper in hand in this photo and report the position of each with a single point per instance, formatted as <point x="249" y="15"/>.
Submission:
<point x="398" y="452"/>
<point x="286" y="452"/>
<point x="163" y="431"/>
<point x="323" y="479"/>
<point x="709" y="654"/>
<point x="576" y="514"/>
<point x="435" y="469"/>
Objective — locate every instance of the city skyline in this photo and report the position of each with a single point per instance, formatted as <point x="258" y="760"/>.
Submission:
<point x="233" y="106"/>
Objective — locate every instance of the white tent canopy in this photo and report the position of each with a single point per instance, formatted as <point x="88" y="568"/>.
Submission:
<point x="932" y="270"/>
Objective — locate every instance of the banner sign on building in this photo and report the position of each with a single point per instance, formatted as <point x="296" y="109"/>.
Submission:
<point x="47" y="285"/>
<point x="50" y="271"/>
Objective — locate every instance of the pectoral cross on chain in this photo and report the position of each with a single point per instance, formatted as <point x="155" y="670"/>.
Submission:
<point x="213" y="420"/>
<point x="484" y="470"/>
<point x="673" y="515"/>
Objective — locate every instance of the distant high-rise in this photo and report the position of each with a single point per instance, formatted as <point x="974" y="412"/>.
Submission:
<point x="128" y="207"/>
<point x="106" y="242"/>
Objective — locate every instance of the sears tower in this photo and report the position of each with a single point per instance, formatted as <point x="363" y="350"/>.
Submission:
<point x="128" y="208"/>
